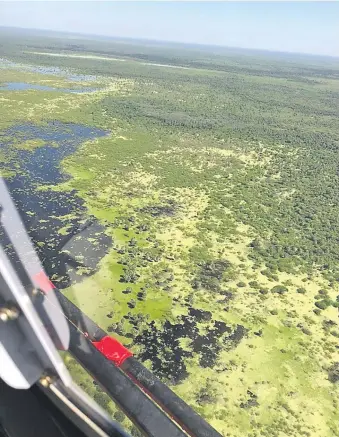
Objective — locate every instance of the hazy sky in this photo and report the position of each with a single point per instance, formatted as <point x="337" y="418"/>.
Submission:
<point x="309" y="27"/>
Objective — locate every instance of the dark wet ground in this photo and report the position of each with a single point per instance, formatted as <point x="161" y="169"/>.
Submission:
<point x="23" y="86"/>
<point x="163" y="348"/>
<point x="42" y="211"/>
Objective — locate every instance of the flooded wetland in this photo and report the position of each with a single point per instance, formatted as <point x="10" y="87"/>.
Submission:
<point x="191" y="212"/>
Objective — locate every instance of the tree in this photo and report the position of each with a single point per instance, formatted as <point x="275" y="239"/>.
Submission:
<point x="255" y="244"/>
<point x="119" y="416"/>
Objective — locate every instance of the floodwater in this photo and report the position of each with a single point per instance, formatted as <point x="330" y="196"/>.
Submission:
<point x="67" y="247"/>
<point x="55" y="71"/>
<point x="24" y="86"/>
<point x="71" y="248"/>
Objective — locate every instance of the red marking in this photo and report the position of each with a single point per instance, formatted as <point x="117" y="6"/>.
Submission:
<point x="43" y="282"/>
<point x="112" y="349"/>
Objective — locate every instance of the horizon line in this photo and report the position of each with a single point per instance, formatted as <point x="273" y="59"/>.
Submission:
<point x="269" y="51"/>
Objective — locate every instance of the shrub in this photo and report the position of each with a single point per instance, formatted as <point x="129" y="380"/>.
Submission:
<point x="280" y="289"/>
<point x="323" y="304"/>
<point x="306" y="331"/>
<point x="333" y="372"/>
<point x="301" y="290"/>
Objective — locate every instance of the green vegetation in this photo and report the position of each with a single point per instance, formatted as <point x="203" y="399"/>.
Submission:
<point x="218" y="184"/>
<point x="30" y="144"/>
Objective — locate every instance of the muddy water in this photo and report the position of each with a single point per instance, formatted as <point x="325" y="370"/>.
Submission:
<point x="70" y="246"/>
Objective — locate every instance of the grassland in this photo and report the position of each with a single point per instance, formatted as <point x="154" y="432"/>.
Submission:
<point x="218" y="184"/>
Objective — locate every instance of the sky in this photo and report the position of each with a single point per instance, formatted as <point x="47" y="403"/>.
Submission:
<point x="304" y="27"/>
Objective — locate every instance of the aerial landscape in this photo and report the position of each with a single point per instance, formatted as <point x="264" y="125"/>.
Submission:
<point x="185" y="197"/>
